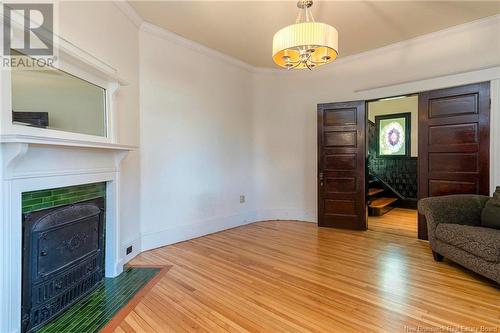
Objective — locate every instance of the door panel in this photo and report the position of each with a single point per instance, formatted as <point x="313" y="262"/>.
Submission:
<point x="340" y="139"/>
<point x="340" y="162"/>
<point x="447" y="187"/>
<point x="342" y="207"/>
<point x="341" y="165"/>
<point x="453" y="134"/>
<point x="453" y="105"/>
<point x="342" y="117"/>
<point x="339" y="185"/>
<point x="453" y="163"/>
<point x="453" y="143"/>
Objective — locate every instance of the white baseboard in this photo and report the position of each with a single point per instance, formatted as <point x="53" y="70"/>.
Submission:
<point x="201" y="228"/>
<point x="136" y="249"/>
<point x="189" y="231"/>
<point x="117" y="271"/>
<point x="286" y="214"/>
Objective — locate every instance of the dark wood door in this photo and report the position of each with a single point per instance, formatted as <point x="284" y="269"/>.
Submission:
<point x="454" y="145"/>
<point x="341" y="165"/>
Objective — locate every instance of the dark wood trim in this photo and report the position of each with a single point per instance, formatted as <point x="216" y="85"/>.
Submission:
<point x="484" y="137"/>
<point x="319" y="145"/>
<point x="422" y="160"/>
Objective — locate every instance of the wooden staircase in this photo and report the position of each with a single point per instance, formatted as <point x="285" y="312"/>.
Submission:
<point x="374" y="191"/>
<point x="379" y="200"/>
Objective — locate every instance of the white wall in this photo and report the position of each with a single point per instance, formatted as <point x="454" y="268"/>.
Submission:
<point x="196" y="140"/>
<point x="105" y="32"/>
<point x="285" y="104"/>
<point x="212" y="129"/>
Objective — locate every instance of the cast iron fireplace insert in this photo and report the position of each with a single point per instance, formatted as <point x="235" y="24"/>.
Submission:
<point x="63" y="259"/>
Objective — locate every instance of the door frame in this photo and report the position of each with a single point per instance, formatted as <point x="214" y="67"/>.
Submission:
<point x="420" y="228"/>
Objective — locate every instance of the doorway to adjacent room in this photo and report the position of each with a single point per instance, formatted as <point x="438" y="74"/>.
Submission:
<point x="376" y="158"/>
<point x="392" y="164"/>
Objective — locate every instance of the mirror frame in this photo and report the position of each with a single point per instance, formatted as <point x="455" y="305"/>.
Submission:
<point x="80" y="64"/>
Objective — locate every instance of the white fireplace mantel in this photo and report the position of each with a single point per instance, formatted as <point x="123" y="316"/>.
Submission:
<point x="33" y="158"/>
<point x="31" y="163"/>
<point x="44" y="140"/>
<point x="16" y="146"/>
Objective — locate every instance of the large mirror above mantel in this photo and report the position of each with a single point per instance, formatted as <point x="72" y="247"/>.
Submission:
<point x="69" y="100"/>
<point x="53" y="99"/>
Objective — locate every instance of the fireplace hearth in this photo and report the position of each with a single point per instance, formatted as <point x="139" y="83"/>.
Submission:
<point x="63" y="259"/>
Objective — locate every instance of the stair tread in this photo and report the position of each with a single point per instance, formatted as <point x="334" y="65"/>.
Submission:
<point x="382" y="202"/>
<point x="374" y="190"/>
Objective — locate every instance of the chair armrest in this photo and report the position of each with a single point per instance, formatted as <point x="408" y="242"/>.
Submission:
<point x="458" y="209"/>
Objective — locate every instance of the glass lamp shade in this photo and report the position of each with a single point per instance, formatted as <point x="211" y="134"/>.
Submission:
<point x="305" y="45"/>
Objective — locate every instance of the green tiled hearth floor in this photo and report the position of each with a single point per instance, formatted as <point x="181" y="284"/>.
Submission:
<point x="94" y="311"/>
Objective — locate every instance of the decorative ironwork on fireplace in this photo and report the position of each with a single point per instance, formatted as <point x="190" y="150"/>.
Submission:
<point x="63" y="257"/>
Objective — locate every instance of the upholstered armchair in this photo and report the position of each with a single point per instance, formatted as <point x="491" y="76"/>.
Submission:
<point x="455" y="232"/>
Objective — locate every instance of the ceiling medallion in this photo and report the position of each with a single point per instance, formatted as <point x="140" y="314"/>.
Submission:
<point x="305" y="44"/>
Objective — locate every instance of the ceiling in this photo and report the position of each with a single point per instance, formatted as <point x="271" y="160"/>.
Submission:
<point x="244" y="29"/>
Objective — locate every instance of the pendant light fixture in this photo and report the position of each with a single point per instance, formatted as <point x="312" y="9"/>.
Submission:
<point x="305" y="44"/>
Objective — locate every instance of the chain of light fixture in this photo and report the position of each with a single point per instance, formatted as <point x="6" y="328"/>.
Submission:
<point x="305" y="51"/>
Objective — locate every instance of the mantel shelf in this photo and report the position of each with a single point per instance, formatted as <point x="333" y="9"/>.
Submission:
<point x="47" y="141"/>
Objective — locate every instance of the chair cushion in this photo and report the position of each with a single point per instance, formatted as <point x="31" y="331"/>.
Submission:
<point x="490" y="216"/>
<point x="479" y="241"/>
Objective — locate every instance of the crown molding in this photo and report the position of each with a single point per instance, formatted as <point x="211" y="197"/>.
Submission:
<point x="130" y="12"/>
<point x="195" y="46"/>
<point x="173" y="37"/>
<point x="486" y="21"/>
<point x="69" y="52"/>
<point x="489" y="73"/>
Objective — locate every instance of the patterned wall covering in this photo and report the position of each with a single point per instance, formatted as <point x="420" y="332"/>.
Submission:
<point x="399" y="173"/>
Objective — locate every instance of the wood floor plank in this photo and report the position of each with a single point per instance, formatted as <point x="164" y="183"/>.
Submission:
<point x="137" y="323"/>
<point x="284" y="276"/>
<point x="398" y="221"/>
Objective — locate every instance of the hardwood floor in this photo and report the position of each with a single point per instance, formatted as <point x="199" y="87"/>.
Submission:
<point x="284" y="276"/>
<point x="398" y="221"/>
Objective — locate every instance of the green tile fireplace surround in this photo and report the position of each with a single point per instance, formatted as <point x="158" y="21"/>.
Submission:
<point x="95" y="310"/>
<point x="37" y="200"/>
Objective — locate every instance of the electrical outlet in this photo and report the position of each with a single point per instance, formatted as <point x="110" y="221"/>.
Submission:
<point x="129" y="250"/>
<point x="242" y="199"/>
